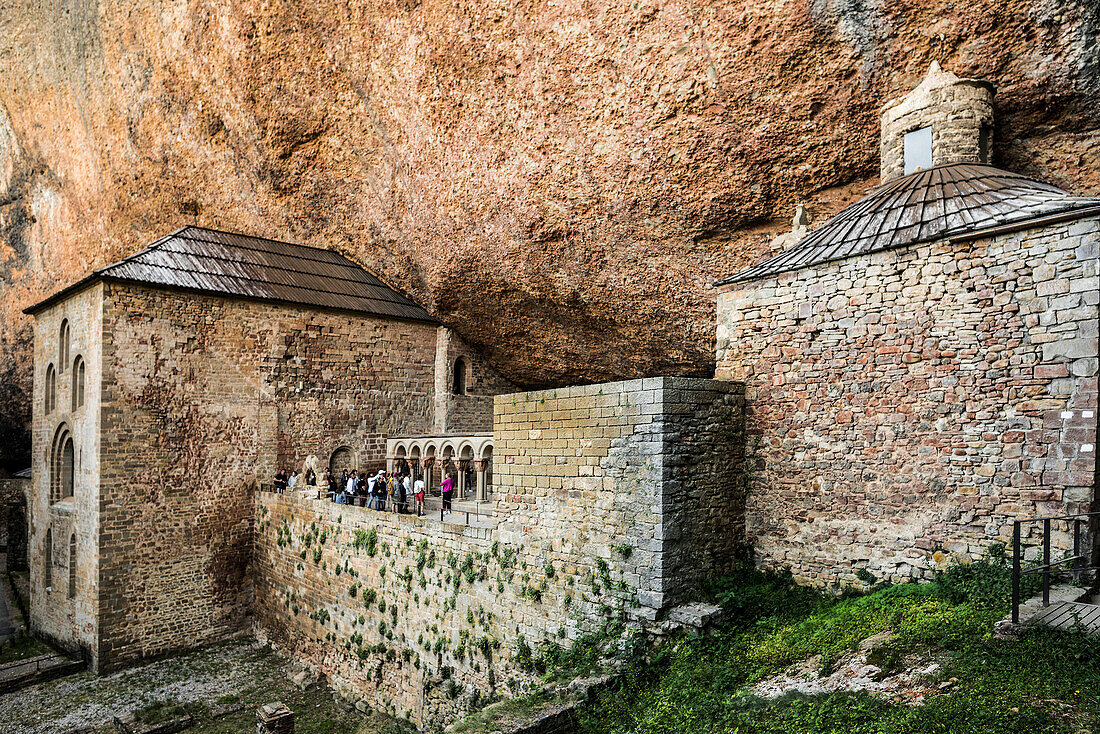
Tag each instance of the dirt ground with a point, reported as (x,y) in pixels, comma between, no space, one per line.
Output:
(205,682)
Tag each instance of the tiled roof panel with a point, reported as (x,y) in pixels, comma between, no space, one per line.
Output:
(938,203)
(253,267)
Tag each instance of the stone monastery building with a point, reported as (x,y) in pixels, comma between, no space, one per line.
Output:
(892,390)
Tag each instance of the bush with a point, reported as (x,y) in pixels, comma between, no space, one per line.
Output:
(986,583)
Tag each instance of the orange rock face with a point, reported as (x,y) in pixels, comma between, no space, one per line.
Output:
(560,182)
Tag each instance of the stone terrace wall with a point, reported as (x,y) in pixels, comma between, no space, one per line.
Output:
(918,400)
(406,615)
(642,474)
(597,519)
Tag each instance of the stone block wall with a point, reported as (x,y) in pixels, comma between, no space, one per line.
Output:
(908,405)
(471,412)
(69,620)
(642,474)
(593,522)
(14,522)
(959,111)
(203,397)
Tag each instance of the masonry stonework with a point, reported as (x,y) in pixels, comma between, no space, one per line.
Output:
(959,111)
(592,523)
(917,400)
(57,528)
(190,401)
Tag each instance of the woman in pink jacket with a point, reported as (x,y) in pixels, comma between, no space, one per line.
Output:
(448,485)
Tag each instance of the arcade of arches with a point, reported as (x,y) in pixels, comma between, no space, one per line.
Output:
(431,458)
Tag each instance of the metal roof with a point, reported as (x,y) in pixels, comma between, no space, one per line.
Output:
(209,261)
(942,202)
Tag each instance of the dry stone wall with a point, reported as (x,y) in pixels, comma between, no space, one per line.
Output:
(592,526)
(906,406)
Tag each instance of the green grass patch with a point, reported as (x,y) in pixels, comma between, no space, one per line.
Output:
(21,648)
(1046,681)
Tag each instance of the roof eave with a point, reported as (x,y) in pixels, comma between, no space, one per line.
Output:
(726,284)
(64,293)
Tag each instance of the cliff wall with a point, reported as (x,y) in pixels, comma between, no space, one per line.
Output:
(558,182)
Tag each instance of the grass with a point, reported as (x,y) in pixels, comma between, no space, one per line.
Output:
(22,647)
(1046,681)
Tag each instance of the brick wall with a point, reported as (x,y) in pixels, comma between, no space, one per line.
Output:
(592,519)
(917,400)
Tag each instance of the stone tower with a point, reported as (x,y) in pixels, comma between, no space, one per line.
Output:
(944,120)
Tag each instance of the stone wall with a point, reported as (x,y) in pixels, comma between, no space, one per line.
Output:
(592,523)
(205,396)
(644,474)
(471,411)
(70,620)
(916,401)
(959,111)
(14,521)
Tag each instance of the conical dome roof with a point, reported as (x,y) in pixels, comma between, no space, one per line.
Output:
(933,204)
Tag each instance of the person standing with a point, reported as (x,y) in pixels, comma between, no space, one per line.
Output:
(406,492)
(418,495)
(448,486)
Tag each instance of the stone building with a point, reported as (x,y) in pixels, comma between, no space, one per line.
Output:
(167,384)
(922,368)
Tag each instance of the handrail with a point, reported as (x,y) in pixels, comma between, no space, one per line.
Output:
(1047,566)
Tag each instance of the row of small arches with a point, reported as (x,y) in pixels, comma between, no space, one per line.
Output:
(47,557)
(77,391)
(447,451)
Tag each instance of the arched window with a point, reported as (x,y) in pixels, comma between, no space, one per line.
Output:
(72,566)
(47,560)
(63,346)
(61,464)
(78,383)
(341,459)
(51,390)
(460,377)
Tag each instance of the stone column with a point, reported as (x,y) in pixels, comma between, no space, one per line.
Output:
(482,486)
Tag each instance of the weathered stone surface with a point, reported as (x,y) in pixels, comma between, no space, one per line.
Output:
(924,435)
(559,182)
(189,401)
(428,612)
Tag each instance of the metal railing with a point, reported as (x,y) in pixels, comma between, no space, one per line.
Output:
(1049,568)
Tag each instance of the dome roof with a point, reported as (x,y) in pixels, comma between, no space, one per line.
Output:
(938,203)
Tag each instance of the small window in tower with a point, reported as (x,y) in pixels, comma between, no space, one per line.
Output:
(985,143)
(460,377)
(918,150)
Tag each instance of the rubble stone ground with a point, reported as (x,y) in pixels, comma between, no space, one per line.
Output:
(243,671)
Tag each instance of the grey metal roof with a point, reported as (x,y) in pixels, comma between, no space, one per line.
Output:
(209,261)
(942,202)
